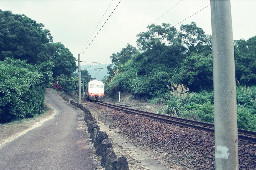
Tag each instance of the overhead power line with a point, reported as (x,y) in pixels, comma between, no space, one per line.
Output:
(176,4)
(197,12)
(100,28)
(97,26)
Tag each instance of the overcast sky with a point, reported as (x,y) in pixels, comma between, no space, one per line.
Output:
(74,22)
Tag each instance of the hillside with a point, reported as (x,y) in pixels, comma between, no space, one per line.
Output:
(96,71)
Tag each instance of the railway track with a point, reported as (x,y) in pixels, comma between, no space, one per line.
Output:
(242,134)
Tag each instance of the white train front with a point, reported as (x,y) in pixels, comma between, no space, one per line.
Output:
(95,90)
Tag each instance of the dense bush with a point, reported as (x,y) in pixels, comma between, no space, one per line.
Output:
(246,110)
(195,72)
(200,106)
(22,85)
(67,84)
(21,90)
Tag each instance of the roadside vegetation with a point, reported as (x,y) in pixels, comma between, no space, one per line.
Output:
(29,62)
(174,67)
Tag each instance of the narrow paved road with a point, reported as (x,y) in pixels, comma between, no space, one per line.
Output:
(60,143)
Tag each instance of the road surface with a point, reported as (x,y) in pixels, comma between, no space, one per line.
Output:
(60,143)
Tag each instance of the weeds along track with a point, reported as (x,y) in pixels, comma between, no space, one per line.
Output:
(176,141)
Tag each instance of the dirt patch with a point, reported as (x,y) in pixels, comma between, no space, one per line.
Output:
(13,130)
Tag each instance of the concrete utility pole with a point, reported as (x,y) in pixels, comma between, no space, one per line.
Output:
(79,79)
(119,96)
(225,109)
(83,89)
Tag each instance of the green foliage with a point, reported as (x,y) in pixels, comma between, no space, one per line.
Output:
(246,101)
(120,83)
(120,59)
(196,73)
(64,62)
(246,118)
(150,86)
(23,38)
(245,58)
(166,56)
(46,70)
(195,39)
(199,106)
(22,93)
(124,55)
(68,84)
(22,85)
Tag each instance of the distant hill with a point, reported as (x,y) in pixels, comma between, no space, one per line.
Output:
(96,71)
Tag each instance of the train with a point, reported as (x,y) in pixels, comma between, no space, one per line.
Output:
(95,90)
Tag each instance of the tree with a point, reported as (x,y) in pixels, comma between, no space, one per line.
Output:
(124,55)
(85,76)
(195,39)
(64,62)
(245,59)
(165,55)
(161,48)
(119,59)
(23,38)
(195,73)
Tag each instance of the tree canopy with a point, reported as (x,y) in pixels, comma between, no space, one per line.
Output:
(178,56)
(164,56)
(245,58)
(175,66)
(25,39)
(29,61)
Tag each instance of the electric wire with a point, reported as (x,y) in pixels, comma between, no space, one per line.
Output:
(91,41)
(176,4)
(97,26)
(197,12)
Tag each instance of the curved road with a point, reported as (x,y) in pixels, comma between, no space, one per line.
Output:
(60,143)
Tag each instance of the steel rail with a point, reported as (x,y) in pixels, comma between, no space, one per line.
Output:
(242,134)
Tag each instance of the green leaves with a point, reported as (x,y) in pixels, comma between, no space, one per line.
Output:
(63,59)
(22,38)
(164,56)
(21,92)
(245,59)
(22,85)
(195,72)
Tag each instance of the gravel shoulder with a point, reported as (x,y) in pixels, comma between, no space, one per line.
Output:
(138,158)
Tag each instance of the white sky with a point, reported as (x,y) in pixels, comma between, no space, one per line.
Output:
(73,22)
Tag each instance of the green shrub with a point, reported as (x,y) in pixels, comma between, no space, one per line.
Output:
(200,106)
(21,90)
(246,110)
(67,84)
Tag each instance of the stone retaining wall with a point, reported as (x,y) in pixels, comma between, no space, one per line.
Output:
(101,142)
